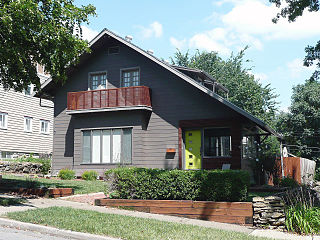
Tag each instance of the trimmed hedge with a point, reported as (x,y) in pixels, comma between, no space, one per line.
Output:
(204,185)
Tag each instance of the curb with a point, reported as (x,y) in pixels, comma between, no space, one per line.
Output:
(52,231)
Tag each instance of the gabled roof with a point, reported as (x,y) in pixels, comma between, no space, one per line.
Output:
(183,76)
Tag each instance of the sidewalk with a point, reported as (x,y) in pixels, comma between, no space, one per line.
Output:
(44,203)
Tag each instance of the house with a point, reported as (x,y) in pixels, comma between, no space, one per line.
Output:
(123,106)
(25,122)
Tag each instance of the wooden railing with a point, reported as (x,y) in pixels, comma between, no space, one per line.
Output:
(108,98)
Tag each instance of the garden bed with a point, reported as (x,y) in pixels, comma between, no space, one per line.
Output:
(45,192)
(226,212)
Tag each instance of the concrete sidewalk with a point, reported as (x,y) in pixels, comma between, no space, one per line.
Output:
(44,203)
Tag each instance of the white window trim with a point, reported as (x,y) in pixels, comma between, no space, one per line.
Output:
(5,115)
(48,129)
(130,69)
(98,72)
(31,91)
(25,124)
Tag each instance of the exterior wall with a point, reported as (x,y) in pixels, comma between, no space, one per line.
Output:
(14,138)
(172,100)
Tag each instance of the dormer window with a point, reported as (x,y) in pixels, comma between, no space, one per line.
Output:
(130,77)
(98,80)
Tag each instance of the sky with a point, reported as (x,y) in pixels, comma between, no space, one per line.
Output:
(276,51)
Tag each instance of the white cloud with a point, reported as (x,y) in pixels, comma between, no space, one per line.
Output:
(180,44)
(88,33)
(296,68)
(153,30)
(262,77)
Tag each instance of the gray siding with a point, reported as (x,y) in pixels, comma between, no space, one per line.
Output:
(172,100)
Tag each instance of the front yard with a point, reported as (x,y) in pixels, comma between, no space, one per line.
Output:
(124,227)
(79,186)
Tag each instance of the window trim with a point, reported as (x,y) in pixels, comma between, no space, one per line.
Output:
(31,90)
(96,73)
(130,69)
(25,125)
(48,129)
(101,144)
(5,126)
(203,145)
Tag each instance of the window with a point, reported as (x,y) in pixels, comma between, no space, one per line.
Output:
(98,80)
(29,90)
(107,146)
(130,78)
(44,126)
(3,120)
(113,50)
(27,124)
(217,142)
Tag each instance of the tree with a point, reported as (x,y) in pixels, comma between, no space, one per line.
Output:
(292,10)
(301,125)
(244,90)
(47,32)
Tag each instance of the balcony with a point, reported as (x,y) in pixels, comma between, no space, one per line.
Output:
(116,99)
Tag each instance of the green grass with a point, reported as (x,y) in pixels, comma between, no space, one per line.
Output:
(11,201)
(80,187)
(124,227)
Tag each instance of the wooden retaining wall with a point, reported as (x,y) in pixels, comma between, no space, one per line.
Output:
(226,212)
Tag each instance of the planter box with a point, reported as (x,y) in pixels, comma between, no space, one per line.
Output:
(225,212)
(60,192)
(45,192)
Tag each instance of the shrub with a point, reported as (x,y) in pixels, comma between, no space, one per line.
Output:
(46,163)
(206,185)
(317,175)
(288,182)
(89,175)
(66,174)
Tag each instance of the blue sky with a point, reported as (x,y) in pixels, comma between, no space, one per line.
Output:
(276,51)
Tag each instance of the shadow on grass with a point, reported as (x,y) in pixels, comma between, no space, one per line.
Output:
(9,201)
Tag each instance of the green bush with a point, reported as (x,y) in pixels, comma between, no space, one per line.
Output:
(66,174)
(304,219)
(89,175)
(206,185)
(288,182)
(317,175)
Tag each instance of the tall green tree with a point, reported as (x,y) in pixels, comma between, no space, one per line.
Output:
(301,125)
(244,90)
(47,32)
(292,9)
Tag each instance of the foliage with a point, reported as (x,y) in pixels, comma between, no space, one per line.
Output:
(66,174)
(288,182)
(317,175)
(89,175)
(47,32)
(303,219)
(292,10)
(301,125)
(121,226)
(144,183)
(244,91)
(46,162)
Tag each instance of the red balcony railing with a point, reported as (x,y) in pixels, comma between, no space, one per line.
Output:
(107,98)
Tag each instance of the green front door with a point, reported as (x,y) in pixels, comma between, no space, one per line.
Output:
(193,149)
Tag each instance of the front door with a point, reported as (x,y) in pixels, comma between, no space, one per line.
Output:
(193,149)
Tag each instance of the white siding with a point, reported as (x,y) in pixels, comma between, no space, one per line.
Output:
(14,138)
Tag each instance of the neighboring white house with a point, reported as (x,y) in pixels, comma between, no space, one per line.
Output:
(26,123)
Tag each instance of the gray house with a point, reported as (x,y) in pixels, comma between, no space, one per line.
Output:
(123,106)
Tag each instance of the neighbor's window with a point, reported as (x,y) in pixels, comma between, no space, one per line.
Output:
(98,81)
(44,126)
(27,124)
(3,120)
(217,142)
(29,90)
(107,146)
(130,78)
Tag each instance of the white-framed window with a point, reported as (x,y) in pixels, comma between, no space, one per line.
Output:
(44,126)
(217,142)
(28,124)
(107,146)
(29,90)
(98,80)
(130,77)
(3,120)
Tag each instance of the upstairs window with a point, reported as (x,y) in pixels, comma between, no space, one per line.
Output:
(44,126)
(98,80)
(217,142)
(130,77)
(27,124)
(3,120)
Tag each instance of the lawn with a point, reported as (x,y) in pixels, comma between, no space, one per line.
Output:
(8,201)
(124,227)
(80,187)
